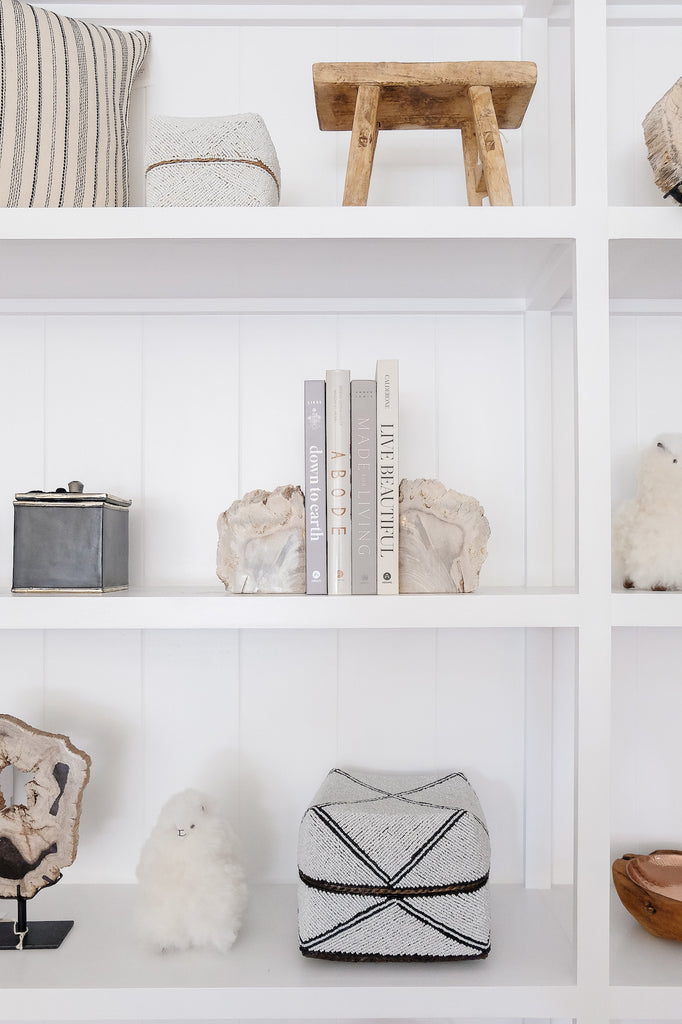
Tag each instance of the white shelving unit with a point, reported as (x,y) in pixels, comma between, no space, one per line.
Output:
(159,355)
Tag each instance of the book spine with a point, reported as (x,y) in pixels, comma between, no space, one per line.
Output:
(388,476)
(315,487)
(363,477)
(338,482)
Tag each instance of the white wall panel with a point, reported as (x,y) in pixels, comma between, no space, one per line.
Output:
(480,731)
(277,355)
(288,740)
(307,156)
(480,429)
(646,364)
(191,417)
(22,466)
(563,433)
(190,716)
(387,699)
(93,695)
(564,686)
(646,806)
(172,85)
(22,690)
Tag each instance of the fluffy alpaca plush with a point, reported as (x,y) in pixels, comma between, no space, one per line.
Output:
(647,531)
(192,890)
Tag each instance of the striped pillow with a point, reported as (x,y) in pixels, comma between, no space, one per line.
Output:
(64,96)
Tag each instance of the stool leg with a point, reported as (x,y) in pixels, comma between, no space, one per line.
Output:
(490,146)
(471,165)
(362,145)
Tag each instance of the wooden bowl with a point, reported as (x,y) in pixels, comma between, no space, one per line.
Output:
(650,887)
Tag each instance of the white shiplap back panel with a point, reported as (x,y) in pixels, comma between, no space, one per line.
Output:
(277,355)
(307,157)
(410,340)
(387,713)
(564,649)
(191,388)
(559,128)
(93,409)
(563,433)
(93,695)
(190,717)
(643,64)
(21,675)
(646,799)
(481,429)
(480,730)
(288,740)
(193,71)
(646,368)
(21,412)
(624,408)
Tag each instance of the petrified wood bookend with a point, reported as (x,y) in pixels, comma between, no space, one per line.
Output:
(261,543)
(443,539)
(40,837)
(477,97)
(663,136)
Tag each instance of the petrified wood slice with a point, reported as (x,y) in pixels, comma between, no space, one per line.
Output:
(39,838)
(443,539)
(642,882)
(663,136)
(261,543)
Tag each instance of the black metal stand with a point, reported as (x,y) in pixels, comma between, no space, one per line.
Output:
(37,935)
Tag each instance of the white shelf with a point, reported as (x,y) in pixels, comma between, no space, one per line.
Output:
(529,973)
(289,222)
(645,970)
(646,609)
(513,256)
(213,608)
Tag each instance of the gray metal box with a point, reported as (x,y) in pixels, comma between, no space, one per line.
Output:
(70,541)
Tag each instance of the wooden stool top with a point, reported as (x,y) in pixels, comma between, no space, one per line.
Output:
(433,95)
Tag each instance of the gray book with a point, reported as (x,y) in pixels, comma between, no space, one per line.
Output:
(363,478)
(315,488)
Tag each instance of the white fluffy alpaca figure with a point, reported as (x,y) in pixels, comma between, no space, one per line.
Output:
(192,889)
(647,530)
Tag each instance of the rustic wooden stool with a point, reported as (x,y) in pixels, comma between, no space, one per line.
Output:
(478,97)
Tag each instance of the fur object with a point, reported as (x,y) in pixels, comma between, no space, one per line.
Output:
(192,888)
(647,530)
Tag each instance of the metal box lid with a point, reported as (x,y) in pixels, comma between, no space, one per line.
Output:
(75,495)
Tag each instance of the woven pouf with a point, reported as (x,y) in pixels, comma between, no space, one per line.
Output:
(211,161)
(394,867)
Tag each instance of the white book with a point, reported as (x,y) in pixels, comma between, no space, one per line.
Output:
(338,482)
(388,476)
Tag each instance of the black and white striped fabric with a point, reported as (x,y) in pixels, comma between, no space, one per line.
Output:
(64,97)
(394,867)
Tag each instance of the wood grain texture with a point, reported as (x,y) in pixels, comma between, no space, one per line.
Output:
(423,95)
(490,147)
(658,914)
(362,146)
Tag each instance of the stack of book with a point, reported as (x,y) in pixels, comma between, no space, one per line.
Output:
(352,482)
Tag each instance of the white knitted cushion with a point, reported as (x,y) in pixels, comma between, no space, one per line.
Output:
(64,96)
(211,161)
(394,867)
